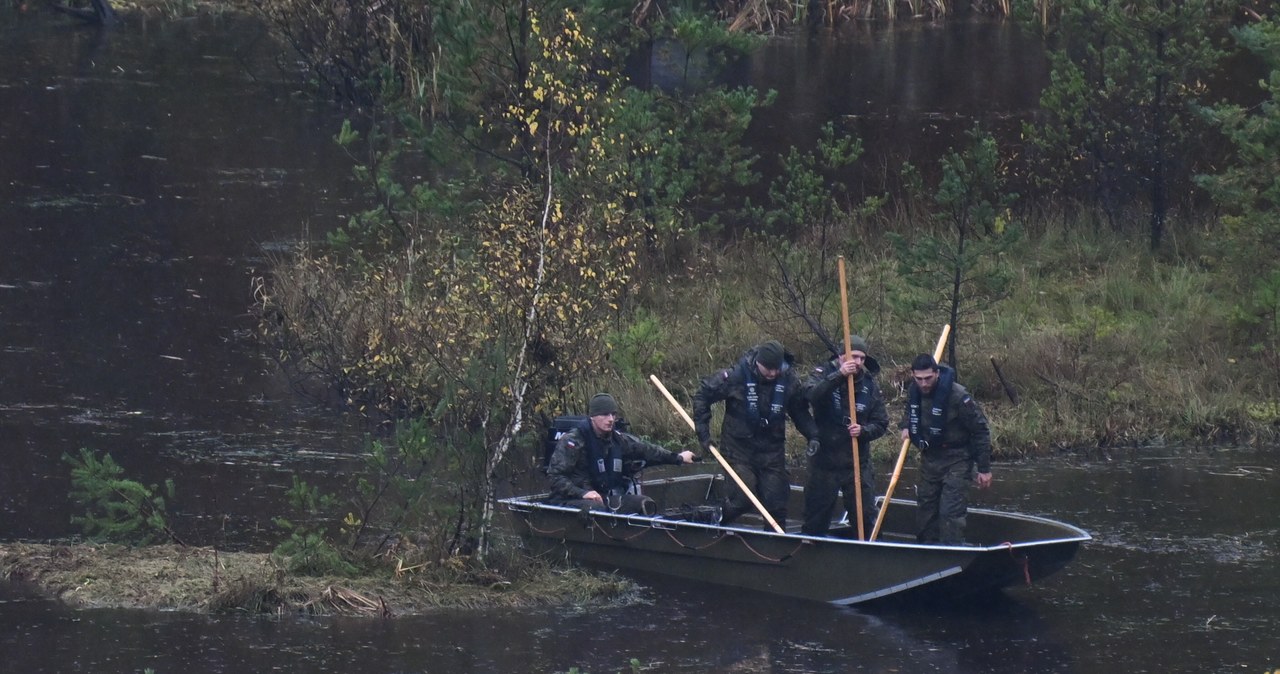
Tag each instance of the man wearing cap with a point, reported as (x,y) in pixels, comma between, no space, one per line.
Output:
(831,462)
(588,466)
(945,422)
(758,392)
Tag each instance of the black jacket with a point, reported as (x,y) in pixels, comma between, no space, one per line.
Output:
(745,433)
(827,391)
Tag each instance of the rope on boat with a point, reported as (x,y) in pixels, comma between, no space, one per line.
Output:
(1025,561)
(624,539)
(767,558)
(686,546)
(545,532)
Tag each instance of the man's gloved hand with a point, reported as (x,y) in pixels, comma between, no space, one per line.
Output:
(706,446)
(812,449)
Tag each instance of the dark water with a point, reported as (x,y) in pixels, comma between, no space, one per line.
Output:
(145,178)
(908,94)
(1182,577)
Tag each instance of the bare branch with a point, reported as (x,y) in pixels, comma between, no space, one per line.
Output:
(795,300)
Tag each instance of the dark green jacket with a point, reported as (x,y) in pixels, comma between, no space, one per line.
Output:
(570,467)
(966,428)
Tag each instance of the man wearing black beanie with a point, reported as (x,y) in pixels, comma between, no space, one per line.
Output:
(588,465)
(758,392)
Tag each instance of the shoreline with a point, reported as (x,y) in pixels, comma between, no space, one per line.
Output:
(207,580)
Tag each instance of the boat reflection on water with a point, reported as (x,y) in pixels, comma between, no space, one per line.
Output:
(692,626)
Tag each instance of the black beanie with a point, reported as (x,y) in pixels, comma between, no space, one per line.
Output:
(770,354)
(602,403)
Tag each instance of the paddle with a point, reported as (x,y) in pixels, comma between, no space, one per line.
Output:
(902,453)
(716,453)
(853,405)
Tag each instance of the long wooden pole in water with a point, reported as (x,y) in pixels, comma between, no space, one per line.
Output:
(902,453)
(716,453)
(853,405)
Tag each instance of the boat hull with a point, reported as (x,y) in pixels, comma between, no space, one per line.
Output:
(1008,549)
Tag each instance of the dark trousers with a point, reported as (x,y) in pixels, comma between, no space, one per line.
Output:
(765,474)
(942,497)
(822,490)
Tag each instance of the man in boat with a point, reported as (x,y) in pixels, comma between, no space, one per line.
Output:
(588,467)
(758,392)
(831,461)
(948,427)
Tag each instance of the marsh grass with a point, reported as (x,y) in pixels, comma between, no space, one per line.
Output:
(180,9)
(1106,345)
(210,581)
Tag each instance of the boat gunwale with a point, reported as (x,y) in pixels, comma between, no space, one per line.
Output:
(526,504)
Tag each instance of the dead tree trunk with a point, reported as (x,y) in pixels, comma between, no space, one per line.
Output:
(1009,390)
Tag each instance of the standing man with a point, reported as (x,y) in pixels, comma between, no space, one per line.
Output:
(948,427)
(759,392)
(588,465)
(831,465)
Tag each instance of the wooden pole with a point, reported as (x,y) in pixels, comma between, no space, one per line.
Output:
(853,404)
(716,453)
(902,453)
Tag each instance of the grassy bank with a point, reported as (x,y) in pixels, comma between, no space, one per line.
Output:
(206,580)
(1104,345)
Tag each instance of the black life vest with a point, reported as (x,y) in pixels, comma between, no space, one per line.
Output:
(565,423)
(777,405)
(860,399)
(606,469)
(936,414)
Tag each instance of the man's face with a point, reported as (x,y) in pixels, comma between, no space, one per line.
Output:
(859,360)
(603,423)
(925,379)
(768,373)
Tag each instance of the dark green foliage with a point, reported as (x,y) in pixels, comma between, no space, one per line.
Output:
(417,489)
(812,220)
(1116,121)
(807,193)
(117,509)
(412,496)
(307,550)
(685,157)
(1249,193)
(636,349)
(396,208)
(957,271)
(702,40)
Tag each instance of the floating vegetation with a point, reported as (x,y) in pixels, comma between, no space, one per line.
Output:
(88,200)
(1245,548)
